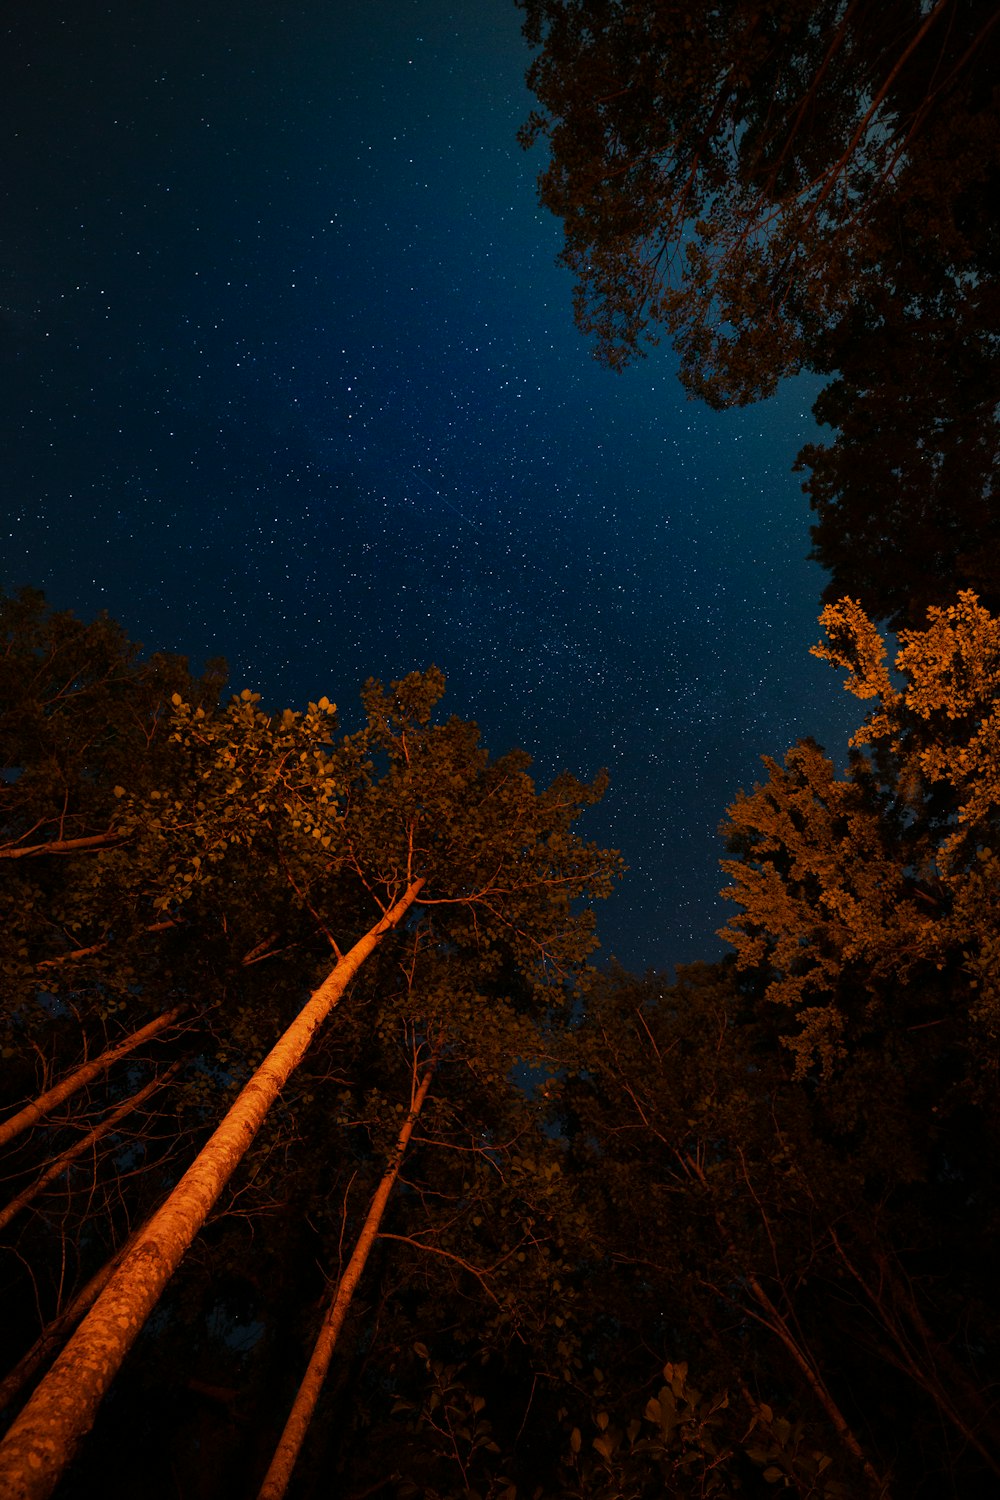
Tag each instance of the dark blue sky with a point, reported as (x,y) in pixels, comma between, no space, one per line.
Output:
(289,375)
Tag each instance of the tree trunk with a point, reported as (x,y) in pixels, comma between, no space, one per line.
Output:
(291,1440)
(45,1103)
(44,1438)
(63,1160)
(968,1412)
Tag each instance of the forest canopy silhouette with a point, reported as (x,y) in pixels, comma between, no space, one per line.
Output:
(306,1054)
(335,1159)
(801,187)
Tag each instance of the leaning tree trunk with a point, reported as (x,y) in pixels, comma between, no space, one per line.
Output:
(44,1438)
(47,1102)
(56,1167)
(290,1443)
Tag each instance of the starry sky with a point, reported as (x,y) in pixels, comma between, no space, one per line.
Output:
(289,375)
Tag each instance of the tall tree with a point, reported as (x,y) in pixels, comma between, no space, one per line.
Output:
(676,1124)
(905,492)
(93,1003)
(80,708)
(868,921)
(493,862)
(280,1470)
(869,898)
(44,1437)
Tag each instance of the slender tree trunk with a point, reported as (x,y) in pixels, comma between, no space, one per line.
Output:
(291,1440)
(63,1160)
(44,1438)
(778,1325)
(86,1073)
(75,954)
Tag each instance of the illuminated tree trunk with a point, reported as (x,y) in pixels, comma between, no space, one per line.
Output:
(67,1157)
(62,846)
(291,1440)
(44,1438)
(86,1073)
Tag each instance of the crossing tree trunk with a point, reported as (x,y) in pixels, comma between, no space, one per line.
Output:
(86,1143)
(61,1326)
(45,1103)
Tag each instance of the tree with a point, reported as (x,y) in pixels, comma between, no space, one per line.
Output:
(870,899)
(79,1032)
(790,187)
(36,1109)
(868,930)
(80,709)
(735,174)
(266,807)
(905,493)
(467,1269)
(680,1122)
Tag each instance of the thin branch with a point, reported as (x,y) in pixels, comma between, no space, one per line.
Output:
(480,1275)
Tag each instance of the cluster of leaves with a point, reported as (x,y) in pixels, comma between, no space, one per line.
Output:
(733,174)
(867,928)
(870,900)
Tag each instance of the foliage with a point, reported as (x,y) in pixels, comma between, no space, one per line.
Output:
(872,898)
(905,490)
(80,708)
(256,844)
(734,174)
(867,933)
(791,186)
(718,1235)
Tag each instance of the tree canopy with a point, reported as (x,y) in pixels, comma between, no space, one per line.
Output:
(253,837)
(784,187)
(475,1217)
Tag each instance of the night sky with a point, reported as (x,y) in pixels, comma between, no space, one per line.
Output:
(290,376)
